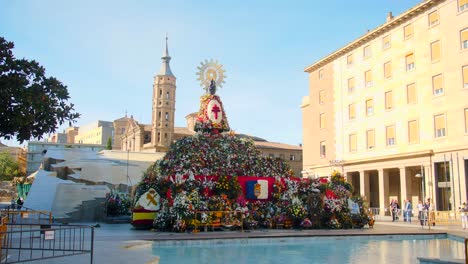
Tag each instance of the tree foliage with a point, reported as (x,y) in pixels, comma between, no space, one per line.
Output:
(9,168)
(31,104)
(109,144)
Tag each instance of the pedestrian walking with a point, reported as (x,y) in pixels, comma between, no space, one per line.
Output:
(408,211)
(421,213)
(394,207)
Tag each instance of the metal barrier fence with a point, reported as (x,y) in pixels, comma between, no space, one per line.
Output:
(25,242)
(430,218)
(25,215)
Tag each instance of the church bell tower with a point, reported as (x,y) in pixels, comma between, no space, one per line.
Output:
(164,92)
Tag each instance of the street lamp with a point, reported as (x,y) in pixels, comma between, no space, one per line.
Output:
(421,175)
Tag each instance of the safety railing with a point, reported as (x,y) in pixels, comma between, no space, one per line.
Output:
(466,251)
(24,242)
(25,215)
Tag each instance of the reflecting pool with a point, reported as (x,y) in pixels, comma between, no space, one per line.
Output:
(331,249)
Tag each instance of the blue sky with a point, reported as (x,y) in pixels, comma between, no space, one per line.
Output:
(107,52)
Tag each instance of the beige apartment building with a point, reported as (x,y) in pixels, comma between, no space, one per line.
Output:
(390,109)
(97,132)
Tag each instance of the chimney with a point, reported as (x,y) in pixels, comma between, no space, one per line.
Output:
(389,17)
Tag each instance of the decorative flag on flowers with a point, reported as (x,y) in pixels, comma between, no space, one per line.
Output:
(257,189)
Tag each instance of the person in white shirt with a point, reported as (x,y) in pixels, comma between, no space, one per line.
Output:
(464,215)
(421,213)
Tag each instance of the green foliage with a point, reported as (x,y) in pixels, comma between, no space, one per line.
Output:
(117,204)
(217,155)
(9,168)
(109,144)
(31,104)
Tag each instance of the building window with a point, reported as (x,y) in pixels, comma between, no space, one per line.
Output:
(370,138)
(413,132)
(433,18)
(351,111)
(464,38)
(292,157)
(351,85)
(408,31)
(390,133)
(367,52)
(322,120)
(320,74)
(439,126)
(322,96)
(466,120)
(281,156)
(167,95)
(159,115)
(369,107)
(465,76)
(438,84)
(167,116)
(411,93)
(160,92)
(388,100)
(462,5)
(323,149)
(386,42)
(368,78)
(122,130)
(352,143)
(349,59)
(409,62)
(435,51)
(388,69)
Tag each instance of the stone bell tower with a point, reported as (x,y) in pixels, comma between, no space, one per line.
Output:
(164,91)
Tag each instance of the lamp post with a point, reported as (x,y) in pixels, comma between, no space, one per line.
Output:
(421,175)
(128,178)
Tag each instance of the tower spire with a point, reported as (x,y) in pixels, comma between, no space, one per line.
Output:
(165,68)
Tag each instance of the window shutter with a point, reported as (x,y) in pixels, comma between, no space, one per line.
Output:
(411,93)
(435,51)
(439,122)
(433,18)
(388,70)
(388,100)
(413,131)
(370,139)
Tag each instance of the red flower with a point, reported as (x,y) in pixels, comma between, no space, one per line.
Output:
(323,180)
(330,194)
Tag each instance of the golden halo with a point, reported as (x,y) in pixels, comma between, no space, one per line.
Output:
(210,70)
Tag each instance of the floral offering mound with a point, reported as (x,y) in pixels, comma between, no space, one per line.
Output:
(217,155)
(187,203)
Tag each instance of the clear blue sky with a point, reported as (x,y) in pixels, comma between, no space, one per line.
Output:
(107,52)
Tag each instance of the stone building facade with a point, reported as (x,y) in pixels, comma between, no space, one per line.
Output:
(389,109)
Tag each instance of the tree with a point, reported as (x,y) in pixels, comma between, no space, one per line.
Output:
(31,104)
(109,144)
(9,168)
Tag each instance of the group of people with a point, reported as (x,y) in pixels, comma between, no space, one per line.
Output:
(423,210)
(407,210)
